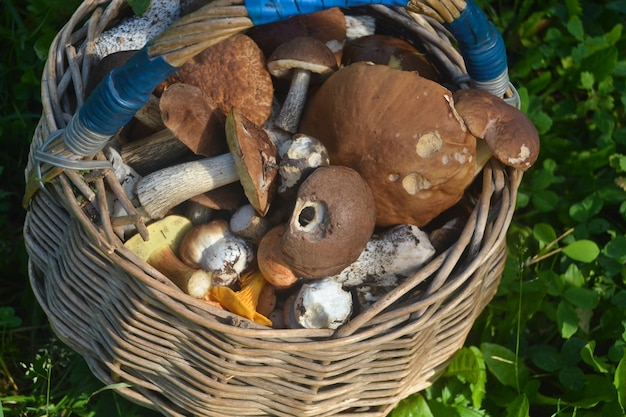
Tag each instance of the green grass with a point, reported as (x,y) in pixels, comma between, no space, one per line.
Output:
(551,343)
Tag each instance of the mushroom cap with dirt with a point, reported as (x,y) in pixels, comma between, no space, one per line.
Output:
(401,132)
(332,221)
(509,133)
(233,73)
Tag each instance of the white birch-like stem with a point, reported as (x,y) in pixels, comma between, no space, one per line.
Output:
(162,190)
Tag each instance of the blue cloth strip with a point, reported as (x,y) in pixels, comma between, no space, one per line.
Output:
(480,43)
(116,100)
(267,11)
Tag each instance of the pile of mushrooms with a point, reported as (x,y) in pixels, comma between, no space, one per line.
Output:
(294,174)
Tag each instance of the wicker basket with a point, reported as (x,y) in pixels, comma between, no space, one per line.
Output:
(184,357)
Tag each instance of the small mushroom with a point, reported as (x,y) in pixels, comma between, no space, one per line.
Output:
(322,304)
(212,247)
(331,223)
(160,251)
(400,131)
(248,224)
(272,262)
(243,302)
(304,59)
(329,26)
(299,157)
(509,133)
(388,50)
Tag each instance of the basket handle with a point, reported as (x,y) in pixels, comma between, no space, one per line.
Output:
(120,95)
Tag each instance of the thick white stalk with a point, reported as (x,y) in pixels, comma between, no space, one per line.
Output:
(395,254)
(162,190)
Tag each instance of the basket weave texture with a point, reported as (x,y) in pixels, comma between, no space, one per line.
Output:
(184,357)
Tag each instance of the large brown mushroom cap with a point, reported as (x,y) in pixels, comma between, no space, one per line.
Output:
(233,74)
(511,136)
(332,221)
(401,133)
(194,119)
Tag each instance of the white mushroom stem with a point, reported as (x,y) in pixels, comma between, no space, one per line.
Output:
(322,304)
(291,111)
(277,135)
(395,254)
(247,223)
(162,190)
(194,282)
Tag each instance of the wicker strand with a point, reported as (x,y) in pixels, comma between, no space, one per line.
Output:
(199,30)
(441,10)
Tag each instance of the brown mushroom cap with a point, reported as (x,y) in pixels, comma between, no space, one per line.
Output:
(304,52)
(329,26)
(511,136)
(331,223)
(388,50)
(233,74)
(194,119)
(255,158)
(401,133)
(271,259)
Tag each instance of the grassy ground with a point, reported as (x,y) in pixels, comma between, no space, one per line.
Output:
(551,343)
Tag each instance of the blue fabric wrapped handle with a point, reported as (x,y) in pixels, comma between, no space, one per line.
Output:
(480,43)
(267,11)
(115,101)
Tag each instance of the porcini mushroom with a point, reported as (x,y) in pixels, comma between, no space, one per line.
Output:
(332,221)
(509,133)
(304,59)
(212,247)
(400,131)
(329,26)
(160,251)
(252,161)
(322,304)
(233,73)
